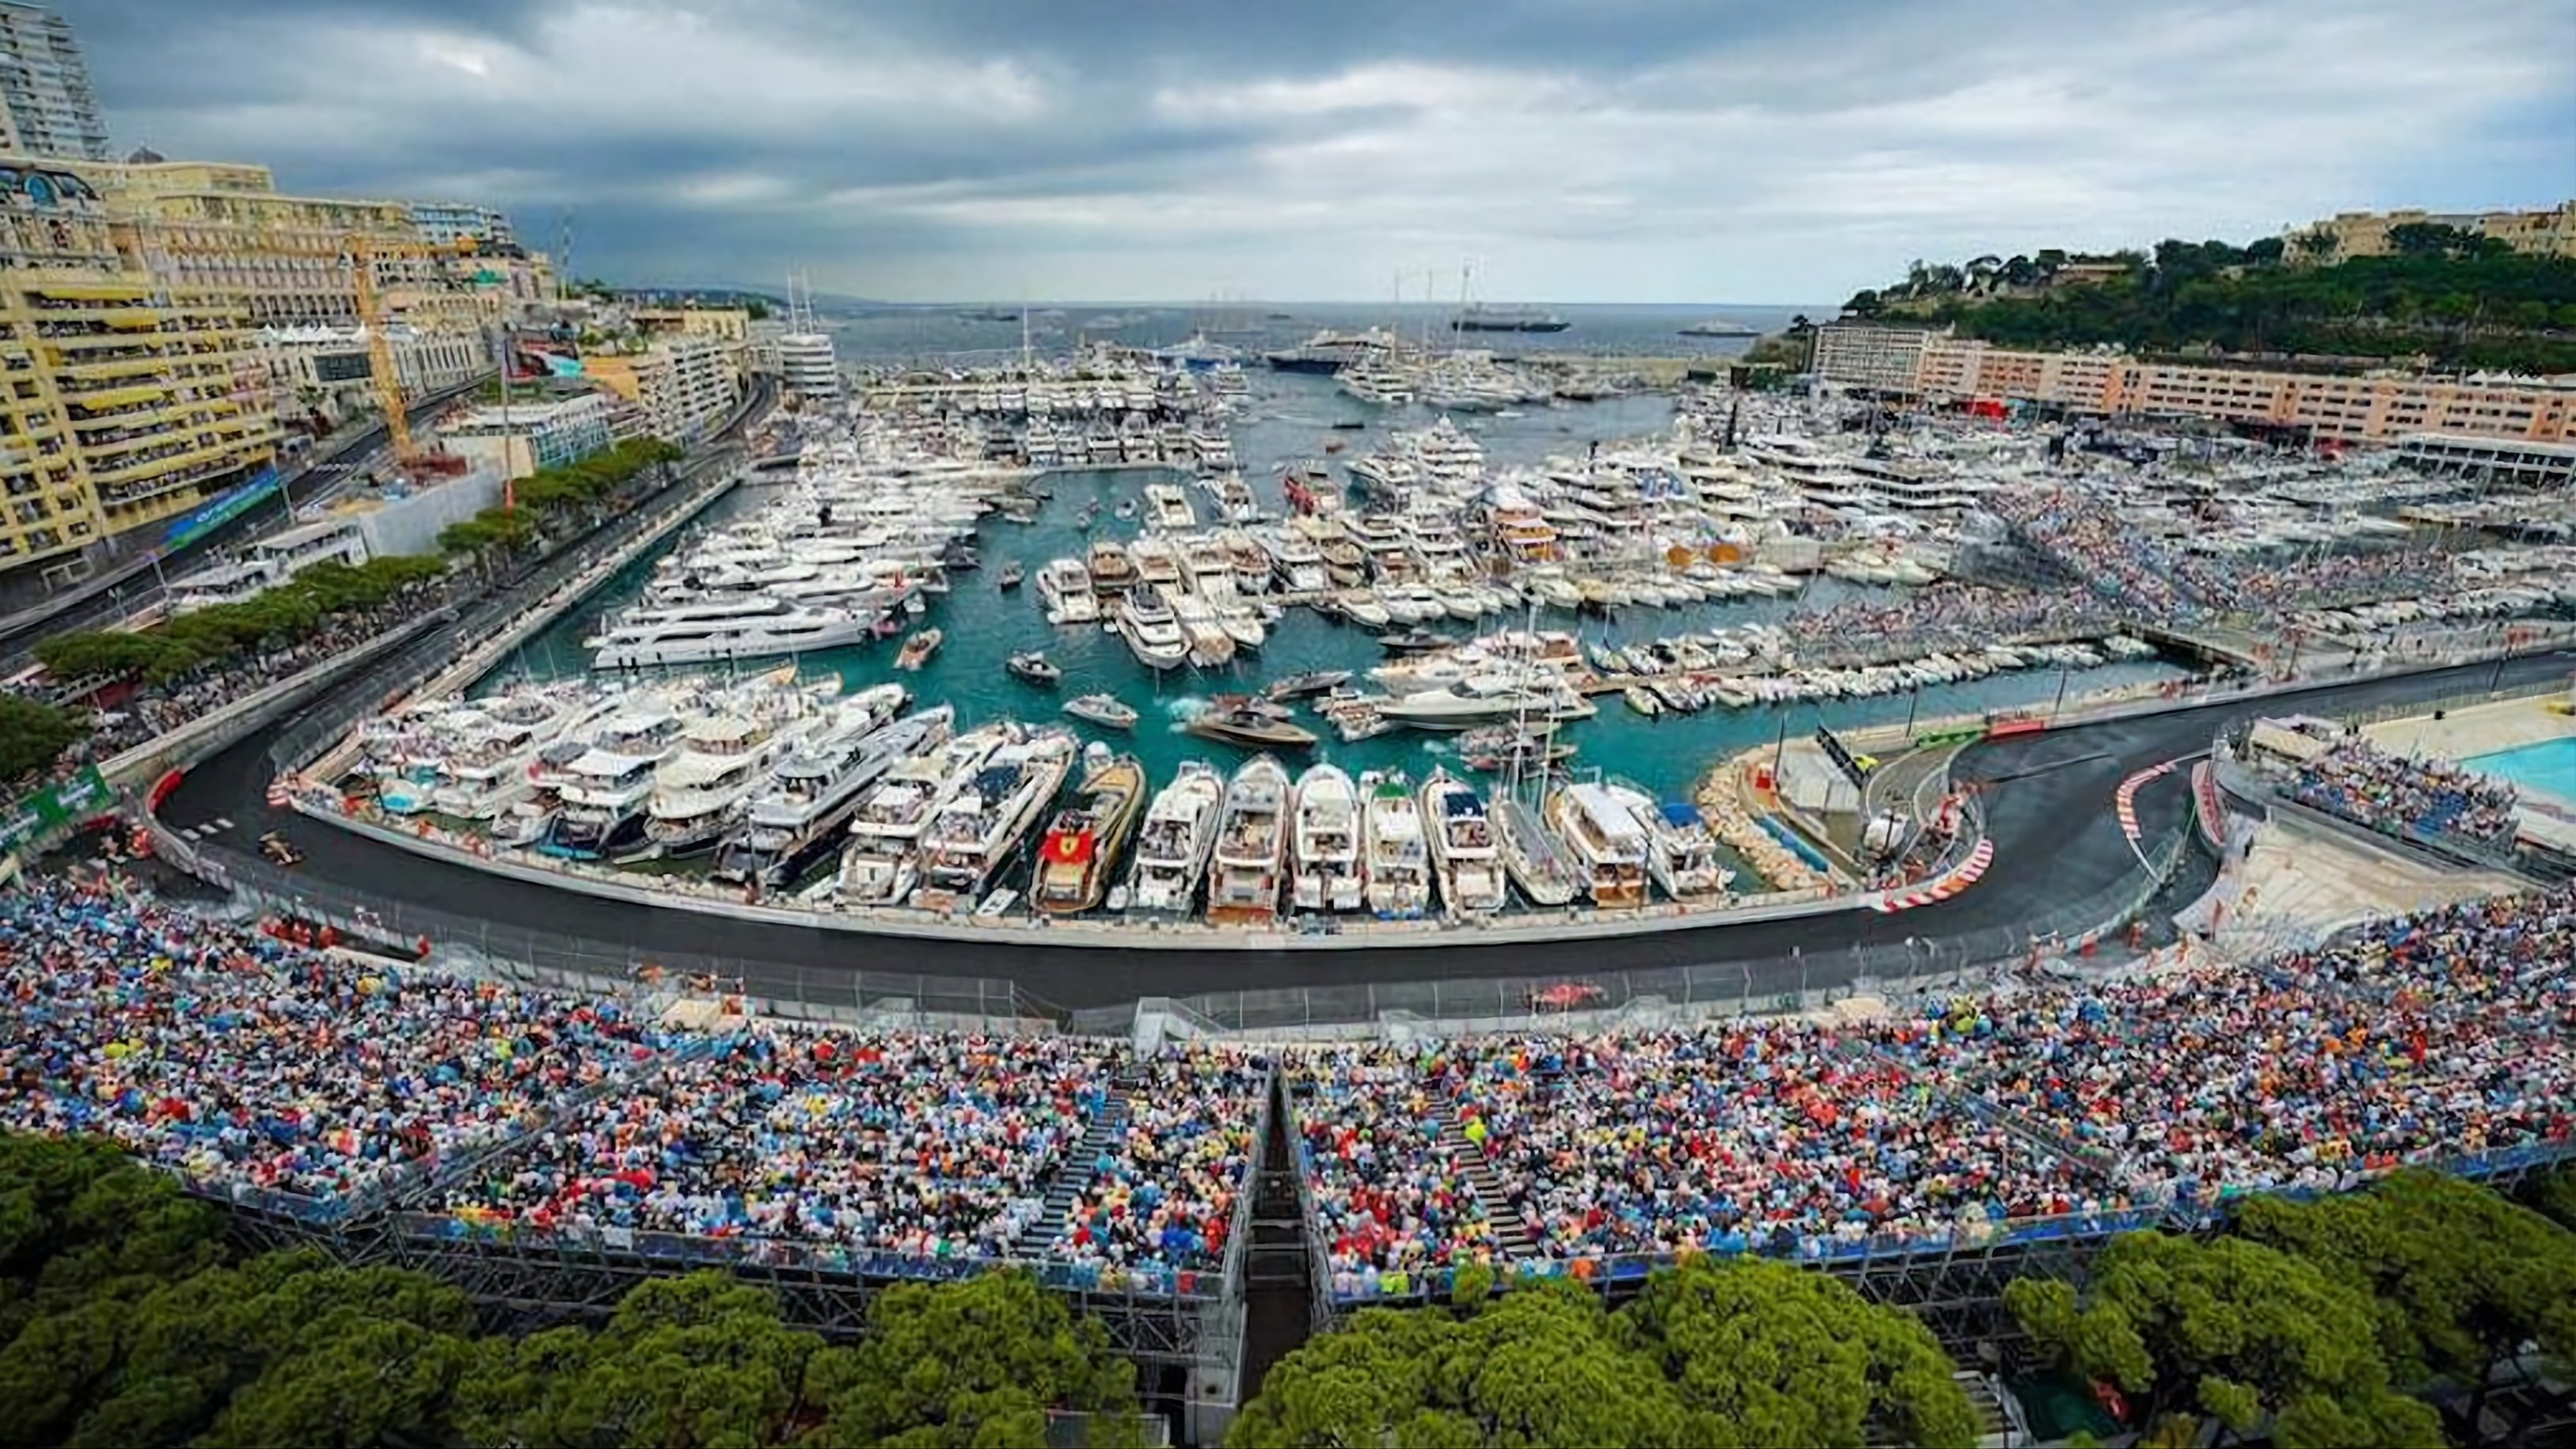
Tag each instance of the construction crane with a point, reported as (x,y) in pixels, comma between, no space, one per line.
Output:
(365,250)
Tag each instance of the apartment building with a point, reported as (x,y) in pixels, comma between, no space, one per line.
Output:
(2374,408)
(686,384)
(2549,232)
(461,221)
(326,370)
(123,400)
(520,439)
(47,107)
(1870,357)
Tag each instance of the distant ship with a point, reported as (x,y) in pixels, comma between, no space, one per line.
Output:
(1476,317)
(988,314)
(1720,327)
(1328,351)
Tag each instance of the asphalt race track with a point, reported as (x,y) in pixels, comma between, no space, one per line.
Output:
(2049,812)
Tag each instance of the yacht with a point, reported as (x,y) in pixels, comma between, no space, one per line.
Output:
(1601,830)
(1251,846)
(1173,845)
(1152,634)
(488,770)
(1484,699)
(1083,841)
(606,790)
(1065,588)
(721,761)
(738,627)
(1536,860)
(980,825)
(1300,565)
(1325,870)
(1681,851)
(1157,562)
(1463,851)
(1111,570)
(802,815)
(1399,861)
(1167,507)
(1210,646)
(882,863)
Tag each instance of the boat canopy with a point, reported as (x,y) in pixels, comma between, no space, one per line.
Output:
(1677,813)
(1461,802)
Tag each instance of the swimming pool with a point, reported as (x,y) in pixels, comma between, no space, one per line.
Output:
(2548,767)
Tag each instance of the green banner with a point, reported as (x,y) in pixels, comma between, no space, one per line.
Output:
(1949,737)
(60,804)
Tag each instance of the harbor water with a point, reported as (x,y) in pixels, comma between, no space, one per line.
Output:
(1291,417)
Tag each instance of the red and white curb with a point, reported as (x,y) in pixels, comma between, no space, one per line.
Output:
(1970,871)
(2126,799)
(279,797)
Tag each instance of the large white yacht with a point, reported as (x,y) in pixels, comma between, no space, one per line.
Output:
(883,861)
(789,826)
(981,823)
(1487,699)
(1463,851)
(1065,587)
(744,626)
(1173,844)
(1601,830)
(606,789)
(1152,634)
(722,760)
(1399,861)
(1324,851)
(1251,846)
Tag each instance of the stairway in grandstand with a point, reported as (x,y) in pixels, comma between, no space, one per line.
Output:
(1108,1125)
(1511,1236)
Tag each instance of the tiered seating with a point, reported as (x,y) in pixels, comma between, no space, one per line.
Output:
(1161,1202)
(2402,795)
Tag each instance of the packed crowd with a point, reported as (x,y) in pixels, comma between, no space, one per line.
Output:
(1390,1194)
(1161,1196)
(924,1146)
(2403,794)
(1939,618)
(2089,539)
(216,1051)
(2327,581)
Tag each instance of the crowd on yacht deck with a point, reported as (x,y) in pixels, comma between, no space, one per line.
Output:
(2407,794)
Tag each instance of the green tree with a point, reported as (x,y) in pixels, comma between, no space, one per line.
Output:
(32,734)
(1780,1355)
(970,1364)
(756,308)
(2232,1330)
(2456,1277)
(1863,303)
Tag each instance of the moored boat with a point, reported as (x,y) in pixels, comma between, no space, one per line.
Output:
(1082,843)
(1399,859)
(1536,859)
(1601,831)
(1464,854)
(1175,841)
(1324,850)
(1251,846)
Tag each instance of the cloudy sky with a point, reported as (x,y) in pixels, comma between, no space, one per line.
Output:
(1580,150)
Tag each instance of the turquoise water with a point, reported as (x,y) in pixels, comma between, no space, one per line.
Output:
(2548,767)
(1293,417)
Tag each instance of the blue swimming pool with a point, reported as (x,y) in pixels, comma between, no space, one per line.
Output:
(2549,766)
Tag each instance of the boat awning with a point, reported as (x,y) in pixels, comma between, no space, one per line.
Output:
(1677,813)
(1458,802)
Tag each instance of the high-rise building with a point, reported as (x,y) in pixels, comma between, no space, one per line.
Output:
(685,384)
(46,105)
(458,221)
(1869,356)
(123,399)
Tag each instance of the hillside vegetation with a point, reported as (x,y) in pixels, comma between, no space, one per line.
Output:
(2446,300)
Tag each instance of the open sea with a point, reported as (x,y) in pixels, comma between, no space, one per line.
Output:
(1290,417)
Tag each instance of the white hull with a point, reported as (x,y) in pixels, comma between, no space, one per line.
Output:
(751,643)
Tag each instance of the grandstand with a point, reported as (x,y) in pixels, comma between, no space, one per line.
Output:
(548,1148)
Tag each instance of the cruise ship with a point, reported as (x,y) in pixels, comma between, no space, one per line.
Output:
(1328,352)
(978,828)
(1251,846)
(731,627)
(1399,861)
(1601,830)
(1324,851)
(801,816)
(1173,845)
(1463,853)
(1477,317)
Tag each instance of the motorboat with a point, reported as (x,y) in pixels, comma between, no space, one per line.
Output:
(1033,666)
(1111,569)
(1152,634)
(1599,826)
(1106,710)
(1252,729)
(802,815)
(882,862)
(1083,841)
(1535,859)
(981,823)
(917,650)
(1308,683)
(1065,589)
(1464,854)
(1399,859)
(1484,699)
(605,791)
(1010,576)
(1324,849)
(1362,607)
(1251,846)
(1211,647)
(1416,641)
(1175,841)
(1681,850)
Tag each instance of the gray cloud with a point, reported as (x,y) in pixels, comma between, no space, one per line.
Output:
(1610,149)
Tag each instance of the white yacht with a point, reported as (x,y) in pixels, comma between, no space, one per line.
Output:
(1487,699)
(721,762)
(1157,562)
(1210,646)
(1065,587)
(1173,844)
(606,789)
(488,771)
(882,863)
(731,627)
(1463,851)
(1681,851)
(1601,830)
(790,826)
(981,824)
(1152,634)
(1399,860)
(1251,846)
(1324,856)
(1300,564)
(1167,507)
